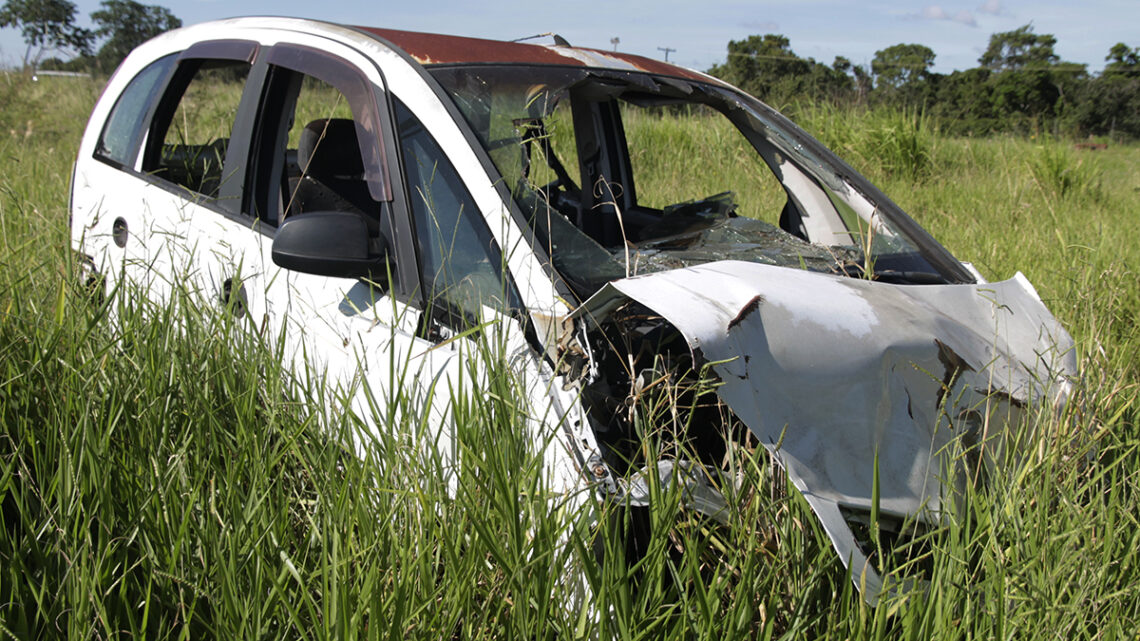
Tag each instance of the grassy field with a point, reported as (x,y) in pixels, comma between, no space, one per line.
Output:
(163,477)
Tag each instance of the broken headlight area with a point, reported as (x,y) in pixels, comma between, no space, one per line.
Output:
(692,480)
(647,382)
(676,447)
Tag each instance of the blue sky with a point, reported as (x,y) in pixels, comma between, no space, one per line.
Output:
(957,30)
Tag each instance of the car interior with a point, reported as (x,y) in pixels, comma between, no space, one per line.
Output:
(326,172)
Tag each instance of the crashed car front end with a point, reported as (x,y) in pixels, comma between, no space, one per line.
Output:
(839,376)
(878,370)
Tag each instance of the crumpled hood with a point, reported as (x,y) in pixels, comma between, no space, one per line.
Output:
(827,371)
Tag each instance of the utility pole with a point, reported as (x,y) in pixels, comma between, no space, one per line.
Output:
(666,50)
(614,41)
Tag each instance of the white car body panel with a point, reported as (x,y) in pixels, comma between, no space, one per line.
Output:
(331,326)
(830,373)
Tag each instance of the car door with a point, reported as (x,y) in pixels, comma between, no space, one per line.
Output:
(322,141)
(474,316)
(396,348)
(158,165)
(401,351)
(162,187)
(194,157)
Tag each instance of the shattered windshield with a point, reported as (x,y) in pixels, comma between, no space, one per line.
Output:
(622,173)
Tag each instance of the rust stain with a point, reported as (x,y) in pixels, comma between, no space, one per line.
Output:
(434,48)
(655,66)
(439,49)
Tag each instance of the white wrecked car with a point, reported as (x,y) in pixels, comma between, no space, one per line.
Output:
(376,197)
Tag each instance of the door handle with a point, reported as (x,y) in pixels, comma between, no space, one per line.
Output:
(119,232)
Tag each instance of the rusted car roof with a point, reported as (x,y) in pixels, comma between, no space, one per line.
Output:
(438,49)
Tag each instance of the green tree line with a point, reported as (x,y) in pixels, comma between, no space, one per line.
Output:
(1019,86)
(48,26)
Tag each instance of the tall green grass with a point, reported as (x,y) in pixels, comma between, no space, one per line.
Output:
(164,476)
(887,142)
(670,153)
(1061,175)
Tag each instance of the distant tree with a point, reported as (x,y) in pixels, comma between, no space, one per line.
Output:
(963,103)
(902,64)
(762,65)
(841,64)
(1122,60)
(1024,97)
(1018,49)
(1109,105)
(766,67)
(46,25)
(81,64)
(844,79)
(822,82)
(863,81)
(126,24)
(1031,88)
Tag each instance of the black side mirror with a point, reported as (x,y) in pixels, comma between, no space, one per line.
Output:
(331,243)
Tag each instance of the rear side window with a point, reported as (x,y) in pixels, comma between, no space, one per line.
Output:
(123,133)
(192,128)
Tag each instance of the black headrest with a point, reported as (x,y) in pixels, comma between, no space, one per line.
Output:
(328,147)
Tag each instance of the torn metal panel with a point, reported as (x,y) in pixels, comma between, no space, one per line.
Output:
(697,489)
(838,371)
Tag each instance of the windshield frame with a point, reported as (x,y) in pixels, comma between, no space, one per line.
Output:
(752,118)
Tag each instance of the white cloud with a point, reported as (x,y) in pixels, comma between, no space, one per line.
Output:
(992,7)
(966,18)
(936,12)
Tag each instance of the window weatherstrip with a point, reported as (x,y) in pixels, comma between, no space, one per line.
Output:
(335,71)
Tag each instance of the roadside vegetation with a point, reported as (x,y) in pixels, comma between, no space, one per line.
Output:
(163,476)
(1020,86)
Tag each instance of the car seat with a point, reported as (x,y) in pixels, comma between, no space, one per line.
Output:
(332,172)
